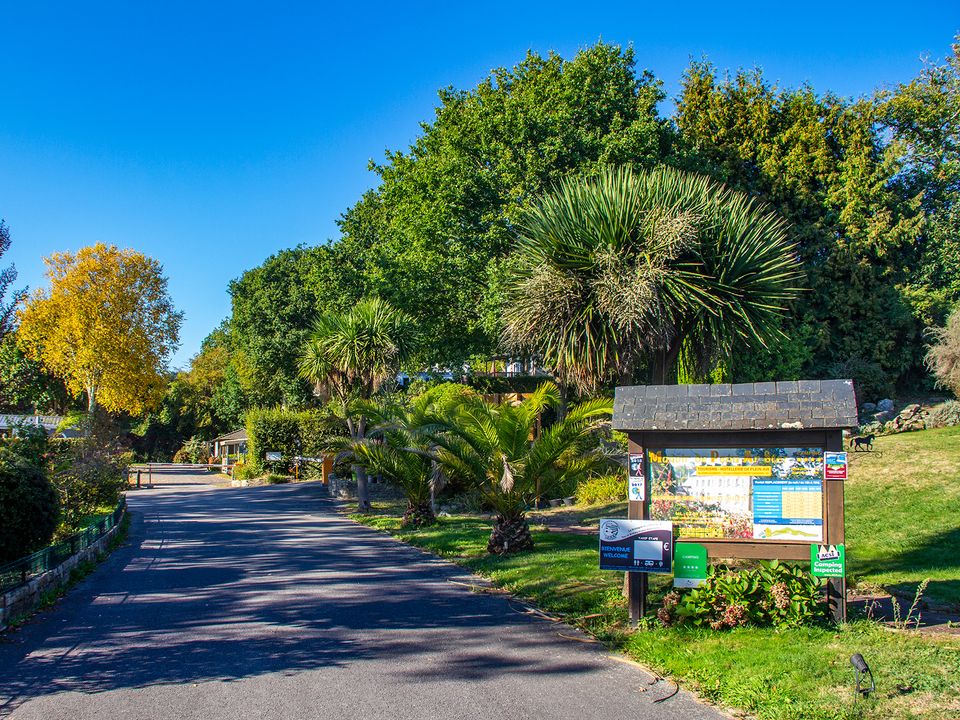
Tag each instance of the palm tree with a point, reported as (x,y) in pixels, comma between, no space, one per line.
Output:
(351,356)
(400,448)
(493,447)
(632,266)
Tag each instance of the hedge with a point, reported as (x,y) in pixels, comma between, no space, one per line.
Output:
(288,432)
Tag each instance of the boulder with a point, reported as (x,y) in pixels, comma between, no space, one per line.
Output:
(884,415)
(909,411)
(868,408)
(885,405)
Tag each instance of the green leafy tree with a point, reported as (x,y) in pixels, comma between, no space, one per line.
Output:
(7,277)
(490,446)
(923,118)
(620,270)
(24,384)
(352,355)
(442,217)
(274,307)
(819,161)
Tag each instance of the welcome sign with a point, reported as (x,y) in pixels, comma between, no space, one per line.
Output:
(636,545)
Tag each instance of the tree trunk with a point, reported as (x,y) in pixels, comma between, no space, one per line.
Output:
(363,489)
(510,535)
(418,515)
(665,363)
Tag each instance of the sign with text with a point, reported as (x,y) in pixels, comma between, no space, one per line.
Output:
(829,561)
(689,565)
(835,466)
(636,545)
(766,493)
(636,482)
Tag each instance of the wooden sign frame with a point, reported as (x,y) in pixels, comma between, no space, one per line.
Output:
(830,439)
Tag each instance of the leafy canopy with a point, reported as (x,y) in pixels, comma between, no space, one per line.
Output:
(106,325)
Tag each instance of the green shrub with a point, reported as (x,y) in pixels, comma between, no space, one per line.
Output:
(771,594)
(246,471)
(289,432)
(193,450)
(273,479)
(86,485)
(602,489)
(28,510)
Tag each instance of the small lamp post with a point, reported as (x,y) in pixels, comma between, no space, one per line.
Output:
(860,670)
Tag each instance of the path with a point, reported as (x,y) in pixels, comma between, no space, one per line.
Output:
(264,603)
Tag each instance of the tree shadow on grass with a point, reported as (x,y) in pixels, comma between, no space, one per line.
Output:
(936,554)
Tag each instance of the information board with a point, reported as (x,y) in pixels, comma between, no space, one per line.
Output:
(742,493)
(636,545)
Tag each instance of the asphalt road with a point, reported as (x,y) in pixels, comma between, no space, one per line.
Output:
(264,603)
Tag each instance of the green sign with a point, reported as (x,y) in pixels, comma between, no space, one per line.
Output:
(829,561)
(689,565)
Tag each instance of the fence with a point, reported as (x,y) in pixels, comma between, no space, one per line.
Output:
(20,571)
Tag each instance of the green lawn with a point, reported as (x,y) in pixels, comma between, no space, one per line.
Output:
(903,514)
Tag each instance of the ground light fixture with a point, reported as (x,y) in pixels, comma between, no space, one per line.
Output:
(861,669)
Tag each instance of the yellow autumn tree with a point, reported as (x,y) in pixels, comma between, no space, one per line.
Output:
(106,325)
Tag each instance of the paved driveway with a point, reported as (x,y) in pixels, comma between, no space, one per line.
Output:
(264,603)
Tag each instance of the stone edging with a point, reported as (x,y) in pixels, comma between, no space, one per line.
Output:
(24,599)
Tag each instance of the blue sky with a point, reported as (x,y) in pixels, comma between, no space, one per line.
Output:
(211,135)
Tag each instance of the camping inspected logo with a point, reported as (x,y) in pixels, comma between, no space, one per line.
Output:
(828,560)
(828,553)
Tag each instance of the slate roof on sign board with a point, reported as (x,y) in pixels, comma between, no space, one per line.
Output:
(793,405)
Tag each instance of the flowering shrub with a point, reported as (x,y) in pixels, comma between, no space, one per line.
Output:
(771,594)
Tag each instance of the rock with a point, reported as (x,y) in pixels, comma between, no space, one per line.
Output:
(868,408)
(883,416)
(870,428)
(885,405)
(909,411)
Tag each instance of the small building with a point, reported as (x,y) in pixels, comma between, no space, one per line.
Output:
(9,423)
(232,445)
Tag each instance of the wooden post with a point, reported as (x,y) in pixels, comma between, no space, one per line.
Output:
(834,529)
(636,510)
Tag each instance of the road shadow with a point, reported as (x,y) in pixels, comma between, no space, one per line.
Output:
(228,584)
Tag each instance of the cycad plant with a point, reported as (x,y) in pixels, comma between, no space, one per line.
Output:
(624,268)
(351,356)
(497,449)
(401,449)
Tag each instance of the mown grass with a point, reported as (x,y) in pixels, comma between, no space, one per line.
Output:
(903,515)
(903,525)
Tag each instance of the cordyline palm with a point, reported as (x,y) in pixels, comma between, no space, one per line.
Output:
(400,448)
(630,265)
(353,354)
(492,447)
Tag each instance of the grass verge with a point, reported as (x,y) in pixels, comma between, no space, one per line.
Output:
(771,674)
